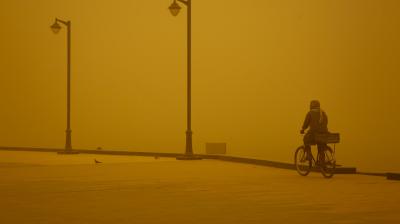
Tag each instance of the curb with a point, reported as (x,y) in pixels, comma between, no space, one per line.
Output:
(259,162)
(393,176)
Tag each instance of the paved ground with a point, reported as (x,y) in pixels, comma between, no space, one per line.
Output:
(49,188)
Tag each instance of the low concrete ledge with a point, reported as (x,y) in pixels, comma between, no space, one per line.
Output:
(281,165)
(30,149)
(346,170)
(393,176)
(259,162)
(129,153)
(96,152)
(372,174)
(68,152)
(389,176)
(189,157)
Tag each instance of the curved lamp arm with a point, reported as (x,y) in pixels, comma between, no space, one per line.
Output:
(184,1)
(65,22)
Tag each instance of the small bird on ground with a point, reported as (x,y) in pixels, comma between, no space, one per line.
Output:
(96,161)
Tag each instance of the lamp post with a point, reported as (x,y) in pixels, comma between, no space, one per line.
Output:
(56,28)
(174,9)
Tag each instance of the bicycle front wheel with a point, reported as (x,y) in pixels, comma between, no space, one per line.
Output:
(328,163)
(302,161)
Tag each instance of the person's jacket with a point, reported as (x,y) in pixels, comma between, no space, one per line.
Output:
(317,121)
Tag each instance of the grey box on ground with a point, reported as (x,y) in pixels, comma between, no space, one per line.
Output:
(216,148)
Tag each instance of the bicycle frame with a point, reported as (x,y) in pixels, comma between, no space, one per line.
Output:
(315,162)
(325,159)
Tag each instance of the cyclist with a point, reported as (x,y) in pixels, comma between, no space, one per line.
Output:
(317,123)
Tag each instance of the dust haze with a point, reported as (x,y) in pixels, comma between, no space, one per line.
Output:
(256,66)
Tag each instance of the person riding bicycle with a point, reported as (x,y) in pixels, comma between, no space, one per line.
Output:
(316,122)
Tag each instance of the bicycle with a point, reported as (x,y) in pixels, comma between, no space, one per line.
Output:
(304,160)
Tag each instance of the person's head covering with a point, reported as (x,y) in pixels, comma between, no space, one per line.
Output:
(315,104)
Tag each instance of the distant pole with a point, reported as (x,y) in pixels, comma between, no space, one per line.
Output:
(189,145)
(175,8)
(56,28)
(68,145)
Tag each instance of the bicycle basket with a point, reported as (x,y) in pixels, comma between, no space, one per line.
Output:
(327,138)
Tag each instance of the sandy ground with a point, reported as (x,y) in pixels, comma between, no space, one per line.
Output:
(51,188)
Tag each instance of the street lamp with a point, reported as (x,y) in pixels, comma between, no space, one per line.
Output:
(56,29)
(174,9)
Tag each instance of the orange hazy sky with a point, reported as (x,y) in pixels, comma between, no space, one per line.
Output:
(256,66)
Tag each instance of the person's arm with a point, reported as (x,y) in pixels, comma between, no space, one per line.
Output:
(326,117)
(306,122)
(326,121)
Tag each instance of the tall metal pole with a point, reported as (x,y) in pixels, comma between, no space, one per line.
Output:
(189,148)
(68,145)
(175,8)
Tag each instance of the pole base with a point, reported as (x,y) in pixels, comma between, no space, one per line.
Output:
(189,157)
(68,152)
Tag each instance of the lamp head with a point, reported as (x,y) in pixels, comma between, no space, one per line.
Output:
(55,27)
(174,8)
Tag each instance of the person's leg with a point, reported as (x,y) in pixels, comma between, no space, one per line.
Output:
(307,144)
(321,153)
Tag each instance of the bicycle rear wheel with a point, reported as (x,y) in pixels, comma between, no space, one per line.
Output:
(328,163)
(302,161)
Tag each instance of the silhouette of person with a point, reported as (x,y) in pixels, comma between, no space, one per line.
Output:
(316,122)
